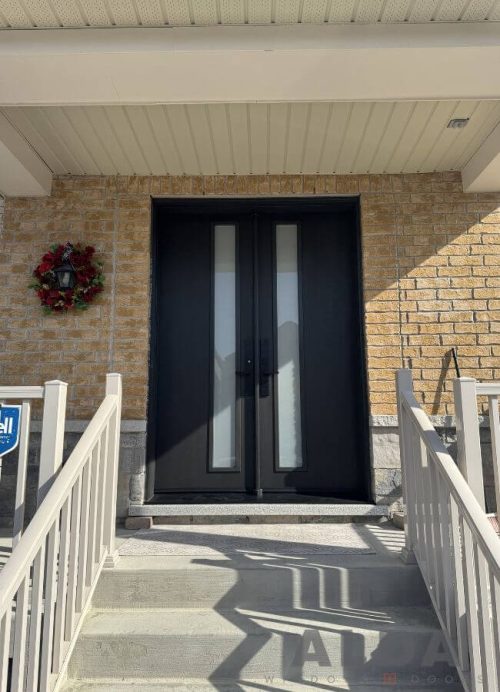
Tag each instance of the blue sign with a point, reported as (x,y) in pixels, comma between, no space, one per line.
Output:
(10,424)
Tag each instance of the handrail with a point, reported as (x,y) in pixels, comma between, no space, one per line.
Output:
(488,388)
(47,584)
(480,526)
(27,548)
(28,392)
(449,535)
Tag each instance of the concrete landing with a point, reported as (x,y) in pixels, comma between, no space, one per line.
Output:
(263,539)
(272,539)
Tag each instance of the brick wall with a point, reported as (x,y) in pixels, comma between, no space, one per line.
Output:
(431,263)
(2,208)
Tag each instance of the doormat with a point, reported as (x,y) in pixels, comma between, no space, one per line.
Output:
(252,540)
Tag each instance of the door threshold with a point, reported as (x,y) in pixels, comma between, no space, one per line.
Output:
(314,507)
(248,498)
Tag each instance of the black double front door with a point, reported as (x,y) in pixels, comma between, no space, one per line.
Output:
(257,366)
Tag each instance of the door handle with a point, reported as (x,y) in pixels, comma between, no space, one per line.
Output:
(248,371)
(245,369)
(266,370)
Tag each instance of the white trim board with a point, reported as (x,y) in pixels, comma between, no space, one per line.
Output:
(228,64)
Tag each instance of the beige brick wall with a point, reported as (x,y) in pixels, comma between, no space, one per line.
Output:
(431,263)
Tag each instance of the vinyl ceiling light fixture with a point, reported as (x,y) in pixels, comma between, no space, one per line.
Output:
(458,123)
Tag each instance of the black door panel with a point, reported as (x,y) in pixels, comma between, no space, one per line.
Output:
(329,407)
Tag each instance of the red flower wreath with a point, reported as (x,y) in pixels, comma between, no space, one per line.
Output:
(89,278)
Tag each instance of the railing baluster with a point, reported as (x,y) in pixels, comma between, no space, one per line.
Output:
(5,629)
(416,485)
(495,446)
(20,636)
(495,618)
(411,527)
(448,565)
(469,570)
(62,586)
(74,545)
(419,499)
(102,492)
(426,515)
(35,620)
(437,539)
(460,599)
(84,537)
(484,619)
(22,472)
(50,594)
(94,475)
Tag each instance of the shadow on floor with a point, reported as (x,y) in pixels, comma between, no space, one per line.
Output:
(310,621)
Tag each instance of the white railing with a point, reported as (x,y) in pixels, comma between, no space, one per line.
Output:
(47,583)
(466,392)
(454,544)
(53,394)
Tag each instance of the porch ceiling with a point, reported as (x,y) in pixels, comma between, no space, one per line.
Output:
(81,13)
(197,139)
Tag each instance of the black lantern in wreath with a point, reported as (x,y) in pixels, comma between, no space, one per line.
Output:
(68,277)
(65,272)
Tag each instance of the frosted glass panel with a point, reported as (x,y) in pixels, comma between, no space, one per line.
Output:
(224,412)
(287,302)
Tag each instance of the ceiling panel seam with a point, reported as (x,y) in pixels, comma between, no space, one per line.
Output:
(122,148)
(387,121)
(419,138)
(32,148)
(212,139)
(230,136)
(342,139)
(363,135)
(101,140)
(400,138)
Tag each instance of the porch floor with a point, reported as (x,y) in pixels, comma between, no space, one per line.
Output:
(365,541)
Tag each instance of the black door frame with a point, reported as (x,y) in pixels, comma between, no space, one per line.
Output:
(230,204)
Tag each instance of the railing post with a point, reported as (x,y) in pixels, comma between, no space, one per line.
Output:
(468,439)
(404,383)
(495,445)
(52,443)
(113,386)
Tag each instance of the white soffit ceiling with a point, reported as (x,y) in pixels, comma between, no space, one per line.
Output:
(382,137)
(26,14)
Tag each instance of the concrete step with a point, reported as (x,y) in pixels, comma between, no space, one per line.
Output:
(174,582)
(275,684)
(359,645)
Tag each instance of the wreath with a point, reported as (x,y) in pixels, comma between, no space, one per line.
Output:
(86,279)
